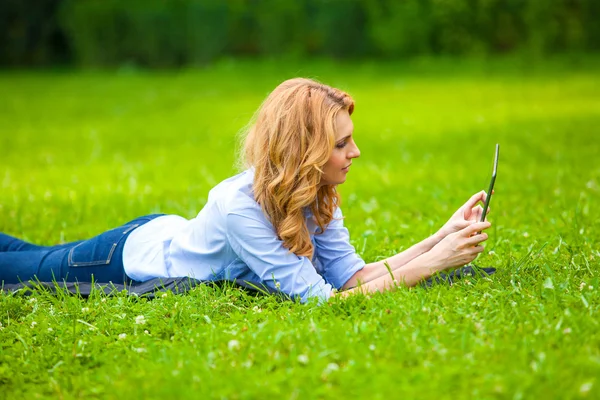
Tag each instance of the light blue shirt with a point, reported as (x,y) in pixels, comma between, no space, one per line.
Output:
(231,238)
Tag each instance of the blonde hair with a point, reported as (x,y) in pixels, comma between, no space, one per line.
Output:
(291,138)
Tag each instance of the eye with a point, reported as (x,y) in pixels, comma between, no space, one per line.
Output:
(341,145)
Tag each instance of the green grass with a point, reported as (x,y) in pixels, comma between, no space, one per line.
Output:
(84,152)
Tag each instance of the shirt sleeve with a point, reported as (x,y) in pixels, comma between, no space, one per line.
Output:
(253,238)
(335,253)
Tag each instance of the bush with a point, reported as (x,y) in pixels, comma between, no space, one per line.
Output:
(31,35)
(146,32)
(167,33)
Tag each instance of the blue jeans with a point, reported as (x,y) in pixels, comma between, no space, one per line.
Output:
(99,259)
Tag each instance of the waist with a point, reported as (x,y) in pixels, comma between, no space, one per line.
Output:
(144,251)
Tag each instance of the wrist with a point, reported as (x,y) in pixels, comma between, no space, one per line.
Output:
(430,262)
(439,235)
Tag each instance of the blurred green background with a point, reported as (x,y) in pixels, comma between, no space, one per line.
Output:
(114,109)
(159,33)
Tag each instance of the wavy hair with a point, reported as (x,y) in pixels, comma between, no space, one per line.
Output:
(290,140)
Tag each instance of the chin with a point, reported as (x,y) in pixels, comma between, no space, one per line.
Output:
(334,182)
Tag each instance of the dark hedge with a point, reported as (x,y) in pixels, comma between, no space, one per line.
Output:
(167,33)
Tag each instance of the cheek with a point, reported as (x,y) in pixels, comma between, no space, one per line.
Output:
(337,160)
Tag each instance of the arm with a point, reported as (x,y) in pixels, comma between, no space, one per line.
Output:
(456,249)
(375,270)
(468,213)
(253,239)
(411,273)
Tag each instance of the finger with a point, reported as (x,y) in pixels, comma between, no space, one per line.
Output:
(477,249)
(476,239)
(480,213)
(476,198)
(477,211)
(475,227)
(463,224)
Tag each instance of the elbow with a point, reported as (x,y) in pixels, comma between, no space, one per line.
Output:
(355,280)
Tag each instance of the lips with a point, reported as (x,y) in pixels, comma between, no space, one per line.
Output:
(347,167)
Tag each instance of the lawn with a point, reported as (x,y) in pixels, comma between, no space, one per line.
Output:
(81,152)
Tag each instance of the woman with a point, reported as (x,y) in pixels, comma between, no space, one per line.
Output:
(277,223)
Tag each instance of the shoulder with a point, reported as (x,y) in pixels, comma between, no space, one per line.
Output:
(337,221)
(235,193)
(234,198)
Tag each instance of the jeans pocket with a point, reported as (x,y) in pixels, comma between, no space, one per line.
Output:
(100,249)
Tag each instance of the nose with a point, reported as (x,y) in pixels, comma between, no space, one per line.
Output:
(355,152)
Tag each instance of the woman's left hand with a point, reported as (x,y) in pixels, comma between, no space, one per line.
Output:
(467,213)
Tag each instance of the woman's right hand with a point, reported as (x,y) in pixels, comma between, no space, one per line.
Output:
(459,248)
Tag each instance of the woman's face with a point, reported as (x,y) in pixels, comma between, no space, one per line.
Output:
(338,165)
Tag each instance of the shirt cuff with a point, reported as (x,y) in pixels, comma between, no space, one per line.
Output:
(321,291)
(349,272)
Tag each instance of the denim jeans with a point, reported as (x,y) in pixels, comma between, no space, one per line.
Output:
(99,259)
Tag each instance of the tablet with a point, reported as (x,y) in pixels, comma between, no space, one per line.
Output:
(491,188)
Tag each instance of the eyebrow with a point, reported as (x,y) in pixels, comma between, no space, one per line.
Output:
(344,138)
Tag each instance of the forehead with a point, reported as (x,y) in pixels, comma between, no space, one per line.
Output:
(343,125)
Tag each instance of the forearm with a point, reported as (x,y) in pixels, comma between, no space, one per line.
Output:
(378,269)
(411,273)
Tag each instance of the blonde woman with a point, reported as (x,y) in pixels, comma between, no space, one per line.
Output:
(277,224)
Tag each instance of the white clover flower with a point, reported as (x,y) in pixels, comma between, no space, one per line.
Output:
(582,286)
(139,349)
(233,345)
(586,387)
(164,295)
(146,332)
(103,300)
(85,310)
(33,324)
(303,359)
(331,367)
(257,309)
(525,234)
(32,300)
(372,347)
(50,329)
(277,285)
(140,320)
(122,336)
(566,331)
